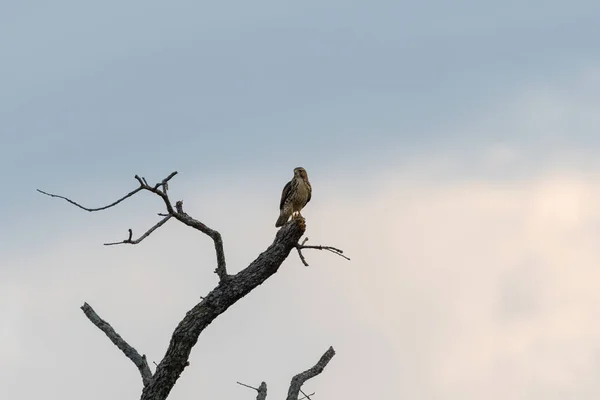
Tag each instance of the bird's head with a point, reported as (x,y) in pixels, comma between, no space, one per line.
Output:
(300,172)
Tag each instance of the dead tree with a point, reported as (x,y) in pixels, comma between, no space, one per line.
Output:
(227,292)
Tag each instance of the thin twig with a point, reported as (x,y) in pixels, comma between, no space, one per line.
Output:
(301,256)
(163,183)
(298,380)
(306,396)
(302,246)
(93,209)
(157,191)
(139,360)
(248,386)
(144,236)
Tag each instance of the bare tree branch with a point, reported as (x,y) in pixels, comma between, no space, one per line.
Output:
(164,182)
(301,246)
(298,380)
(178,213)
(93,209)
(131,353)
(248,386)
(306,396)
(221,269)
(144,236)
(155,189)
(143,186)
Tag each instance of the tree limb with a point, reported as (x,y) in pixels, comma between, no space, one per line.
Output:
(131,353)
(298,380)
(176,212)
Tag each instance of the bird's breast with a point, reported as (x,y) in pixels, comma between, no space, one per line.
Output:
(302,192)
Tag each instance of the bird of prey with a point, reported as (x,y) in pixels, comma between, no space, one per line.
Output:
(295,195)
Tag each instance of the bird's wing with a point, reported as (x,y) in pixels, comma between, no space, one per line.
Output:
(287,189)
(308,198)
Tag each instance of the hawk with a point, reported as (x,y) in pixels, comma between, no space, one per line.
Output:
(295,195)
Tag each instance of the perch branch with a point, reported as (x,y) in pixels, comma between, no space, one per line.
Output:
(302,246)
(144,236)
(139,360)
(306,396)
(298,380)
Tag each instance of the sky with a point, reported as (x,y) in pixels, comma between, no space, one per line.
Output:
(453,153)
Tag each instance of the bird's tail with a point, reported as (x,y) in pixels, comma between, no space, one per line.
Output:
(281,220)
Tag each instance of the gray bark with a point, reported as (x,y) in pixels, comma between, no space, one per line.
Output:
(298,380)
(262,391)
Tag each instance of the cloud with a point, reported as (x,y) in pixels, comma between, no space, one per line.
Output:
(495,284)
(474,275)
(467,289)
(10,309)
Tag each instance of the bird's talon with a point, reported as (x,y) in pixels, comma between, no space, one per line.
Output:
(301,223)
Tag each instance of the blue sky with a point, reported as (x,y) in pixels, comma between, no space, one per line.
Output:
(491,107)
(90,89)
(203,83)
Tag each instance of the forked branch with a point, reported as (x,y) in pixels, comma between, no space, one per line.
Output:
(306,396)
(129,240)
(301,246)
(160,189)
(298,380)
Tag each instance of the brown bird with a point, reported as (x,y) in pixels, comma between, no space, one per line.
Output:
(295,195)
